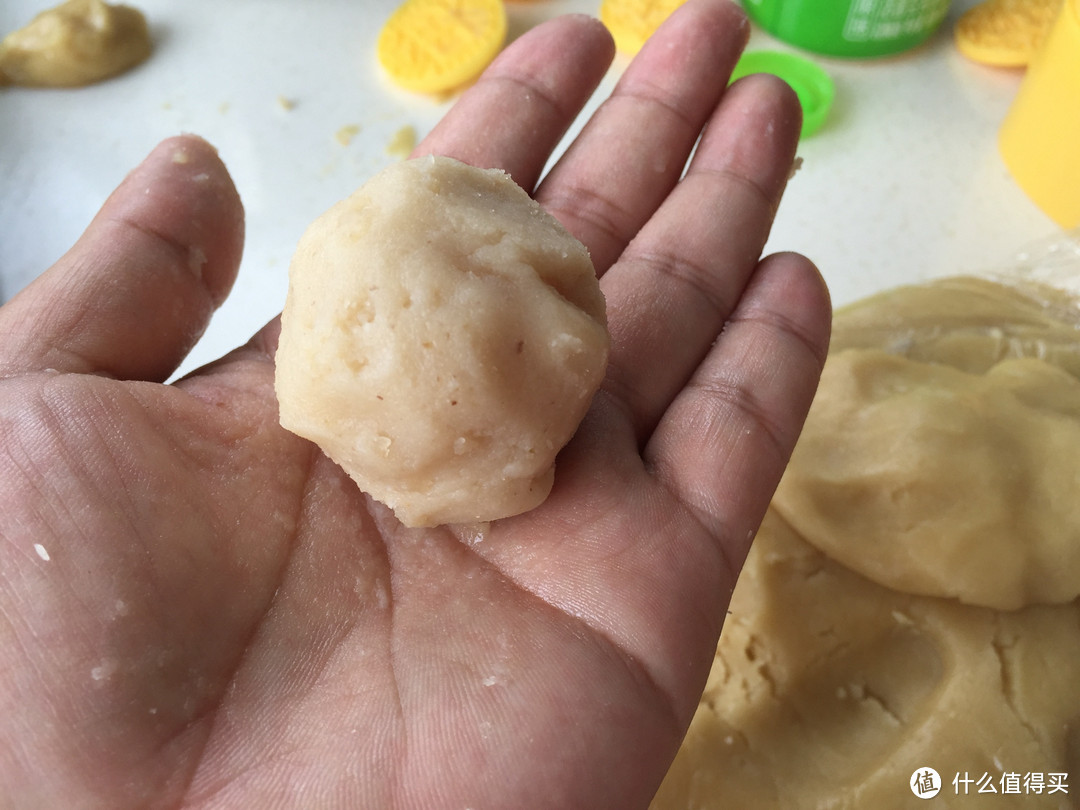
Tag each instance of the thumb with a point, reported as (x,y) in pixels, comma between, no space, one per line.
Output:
(137,290)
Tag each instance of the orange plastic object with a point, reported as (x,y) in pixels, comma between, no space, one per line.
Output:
(631,22)
(436,46)
(1040,137)
(1005,33)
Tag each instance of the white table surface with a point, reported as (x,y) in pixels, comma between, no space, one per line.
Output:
(903,183)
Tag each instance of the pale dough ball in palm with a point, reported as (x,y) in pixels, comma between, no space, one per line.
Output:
(442,339)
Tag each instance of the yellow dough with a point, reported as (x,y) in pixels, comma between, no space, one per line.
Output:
(910,600)
(966,322)
(442,339)
(76,43)
(949,464)
(829,691)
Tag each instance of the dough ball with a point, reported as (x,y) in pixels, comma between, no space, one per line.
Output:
(946,463)
(442,339)
(829,691)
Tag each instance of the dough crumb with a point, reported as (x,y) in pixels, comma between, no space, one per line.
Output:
(346,133)
(402,143)
(103,671)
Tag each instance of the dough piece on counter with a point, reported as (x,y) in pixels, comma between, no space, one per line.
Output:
(442,339)
(948,467)
(829,691)
(76,43)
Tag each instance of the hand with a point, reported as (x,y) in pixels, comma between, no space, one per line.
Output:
(199,609)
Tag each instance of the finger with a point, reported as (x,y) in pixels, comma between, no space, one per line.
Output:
(136,291)
(515,114)
(680,278)
(633,150)
(722,445)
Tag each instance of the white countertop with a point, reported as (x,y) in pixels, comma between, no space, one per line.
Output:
(903,183)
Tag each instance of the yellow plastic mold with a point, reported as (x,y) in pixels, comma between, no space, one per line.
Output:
(436,46)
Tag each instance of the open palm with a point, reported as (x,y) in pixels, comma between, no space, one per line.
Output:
(199,609)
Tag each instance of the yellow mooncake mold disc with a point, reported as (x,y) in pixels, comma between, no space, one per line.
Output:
(631,22)
(436,46)
(1005,33)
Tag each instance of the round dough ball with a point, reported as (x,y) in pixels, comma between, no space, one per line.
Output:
(442,339)
(946,462)
(829,691)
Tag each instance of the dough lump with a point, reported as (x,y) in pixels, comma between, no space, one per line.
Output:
(76,43)
(442,339)
(829,691)
(941,455)
(910,599)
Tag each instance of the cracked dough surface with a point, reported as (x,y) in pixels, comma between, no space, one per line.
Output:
(910,599)
(442,339)
(829,691)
